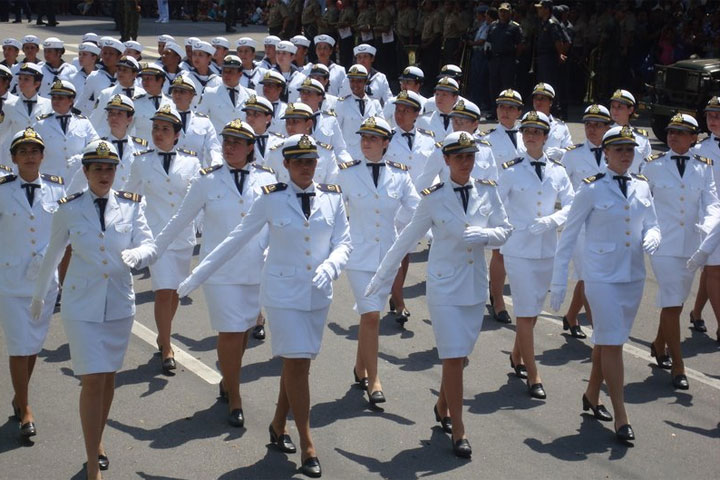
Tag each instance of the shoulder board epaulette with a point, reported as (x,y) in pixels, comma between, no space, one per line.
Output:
(44,116)
(704,139)
(69,198)
(512,162)
(429,190)
(7,178)
(345,165)
(653,157)
(703,159)
(274,187)
(277,134)
(438,144)
(488,132)
(429,133)
(275,147)
(6,168)
(593,178)
(513,22)
(640,131)
(326,146)
(558,121)
(330,112)
(640,176)
(264,168)
(483,142)
(573,147)
(210,169)
(139,95)
(77,112)
(201,115)
(342,99)
(81,116)
(149,150)
(187,152)
(557,162)
(400,166)
(485,181)
(140,141)
(135,197)
(329,188)
(53,178)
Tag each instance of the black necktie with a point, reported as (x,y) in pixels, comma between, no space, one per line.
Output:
(361,105)
(538,168)
(183,117)
(30,191)
(29,104)
(156,101)
(167,158)
(101,203)
(598,154)
(464,195)
(513,138)
(680,159)
(120,145)
(262,142)
(410,137)
(232,93)
(314,119)
(63,122)
(622,183)
(239,182)
(446,120)
(375,171)
(717,139)
(130,91)
(305,202)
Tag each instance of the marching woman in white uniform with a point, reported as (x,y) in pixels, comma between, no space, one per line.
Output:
(109,236)
(225,193)
(375,191)
(622,109)
(465,216)
(529,187)
(309,245)
(163,176)
(686,201)
(618,215)
(709,249)
(27,202)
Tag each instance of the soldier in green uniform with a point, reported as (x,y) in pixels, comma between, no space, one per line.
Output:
(278,17)
(295,8)
(453,30)
(130,20)
(346,22)
(385,39)
(405,29)
(329,20)
(431,42)
(311,15)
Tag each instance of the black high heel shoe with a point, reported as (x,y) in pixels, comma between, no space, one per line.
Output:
(462,448)
(536,390)
(445,422)
(376,397)
(680,382)
(663,361)
(599,411)
(259,332)
(362,382)
(282,442)
(520,370)
(698,324)
(625,433)
(236,418)
(103,462)
(311,467)
(168,365)
(28,430)
(402,316)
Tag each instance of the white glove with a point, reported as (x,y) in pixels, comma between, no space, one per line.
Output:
(323,277)
(554,152)
(700,228)
(475,236)
(36,308)
(186,287)
(33,268)
(557,296)
(130,258)
(373,287)
(698,259)
(541,225)
(651,242)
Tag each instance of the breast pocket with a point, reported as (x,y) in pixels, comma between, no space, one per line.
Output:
(600,258)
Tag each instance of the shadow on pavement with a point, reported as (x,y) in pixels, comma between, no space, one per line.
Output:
(150,373)
(353,404)
(274,464)
(658,385)
(705,432)
(10,438)
(147,476)
(205,345)
(59,355)
(511,396)
(415,362)
(573,350)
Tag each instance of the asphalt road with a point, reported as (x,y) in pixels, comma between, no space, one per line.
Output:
(172,428)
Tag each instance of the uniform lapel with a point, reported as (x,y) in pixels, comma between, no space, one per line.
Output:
(112,210)
(385,177)
(21,197)
(452,202)
(671,165)
(473,201)
(227,178)
(294,201)
(90,211)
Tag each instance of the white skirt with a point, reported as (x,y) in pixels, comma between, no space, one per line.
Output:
(529,283)
(296,333)
(456,328)
(232,308)
(359,281)
(98,347)
(614,306)
(171,268)
(674,280)
(23,335)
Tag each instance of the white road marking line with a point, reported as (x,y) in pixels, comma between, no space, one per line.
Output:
(188,361)
(633,350)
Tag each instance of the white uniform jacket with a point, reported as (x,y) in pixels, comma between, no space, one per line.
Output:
(389,110)
(98,116)
(217,104)
(17,117)
(144,110)
(526,198)
(214,192)
(457,273)
(96,82)
(98,286)
(435,122)
(5,100)
(277,124)
(271,140)
(131,146)
(164,191)
(377,87)
(326,170)
(337,77)
(251,78)
(436,170)
(26,230)
(202,83)
(350,118)
(63,151)
(78,79)
(558,139)
(50,75)
(502,146)
(199,136)
(615,227)
(682,202)
(710,147)
(415,158)
(580,163)
(327,130)
(293,79)
(373,209)
(297,246)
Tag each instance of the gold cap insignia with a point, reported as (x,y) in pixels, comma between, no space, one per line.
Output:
(715,101)
(252,99)
(178,80)
(305,142)
(103,149)
(165,109)
(677,118)
(403,95)
(594,109)
(540,86)
(236,124)
(30,133)
(617,94)
(533,116)
(465,140)
(116,100)
(460,105)
(267,75)
(57,84)
(626,132)
(307,82)
(370,123)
